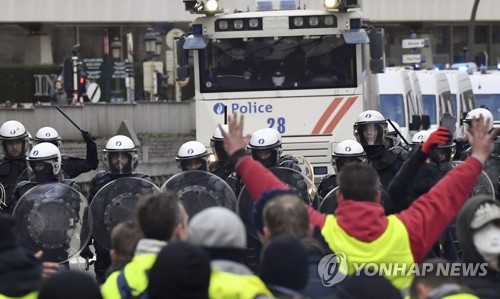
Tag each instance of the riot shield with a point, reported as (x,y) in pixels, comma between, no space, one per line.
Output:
(51,219)
(492,169)
(198,190)
(295,180)
(28,175)
(329,204)
(114,203)
(483,184)
(305,166)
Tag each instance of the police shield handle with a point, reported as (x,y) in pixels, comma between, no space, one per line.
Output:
(233,138)
(480,140)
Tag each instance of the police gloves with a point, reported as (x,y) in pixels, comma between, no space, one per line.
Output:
(88,137)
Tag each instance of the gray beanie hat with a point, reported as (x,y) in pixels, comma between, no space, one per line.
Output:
(217,227)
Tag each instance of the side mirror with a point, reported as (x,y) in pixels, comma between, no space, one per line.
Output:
(426,122)
(416,122)
(464,115)
(377,54)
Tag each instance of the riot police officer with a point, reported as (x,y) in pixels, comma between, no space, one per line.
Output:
(120,157)
(462,146)
(370,130)
(71,166)
(15,142)
(219,167)
(45,162)
(192,155)
(347,151)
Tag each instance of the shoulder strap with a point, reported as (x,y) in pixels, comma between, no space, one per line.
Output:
(125,290)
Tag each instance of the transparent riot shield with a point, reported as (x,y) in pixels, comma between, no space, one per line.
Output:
(116,202)
(329,204)
(295,180)
(51,219)
(492,169)
(483,184)
(198,190)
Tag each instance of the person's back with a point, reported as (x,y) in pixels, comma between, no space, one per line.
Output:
(360,225)
(20,271)
(222,234)
(282,257)
(162,219)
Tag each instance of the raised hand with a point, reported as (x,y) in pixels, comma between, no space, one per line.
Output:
(440,136)
(233,138)
(480,140)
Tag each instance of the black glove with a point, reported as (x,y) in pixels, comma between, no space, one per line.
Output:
(88,137)
(87,253)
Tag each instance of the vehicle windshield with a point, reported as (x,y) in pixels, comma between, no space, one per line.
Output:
(392,107)
(490,102)
(430,107)
(277,63)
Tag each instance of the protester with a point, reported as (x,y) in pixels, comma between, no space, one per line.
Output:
(360,225)
(284,267)
(478,232)
(162,219)
(434,283)
(222,233)
(181,271)
(124,239)
(20,271)
(70,284)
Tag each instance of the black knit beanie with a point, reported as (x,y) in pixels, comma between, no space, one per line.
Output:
(70,284)
(284,263)
(181,271)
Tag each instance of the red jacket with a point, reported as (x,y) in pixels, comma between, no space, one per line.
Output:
(424,220)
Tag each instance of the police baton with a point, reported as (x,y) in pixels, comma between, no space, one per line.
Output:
(65,115)
(397,131)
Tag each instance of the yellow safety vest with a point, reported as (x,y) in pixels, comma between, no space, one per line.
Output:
(390,253)
(32,295)
(461,296)
(135,274)
(224,285)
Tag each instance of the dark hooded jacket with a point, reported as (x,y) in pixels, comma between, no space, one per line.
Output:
(20,271)
(487,286)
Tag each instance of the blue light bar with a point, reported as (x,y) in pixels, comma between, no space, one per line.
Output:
(197,30)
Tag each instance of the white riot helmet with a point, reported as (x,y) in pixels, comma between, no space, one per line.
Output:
(265,146)
(392,135)
(475,113)
(48,134)
(120,154)
(45,161)
(217,143)
(442,153)
(419,138)
(192,155)
(370,128)
(346,152)
(14,130)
